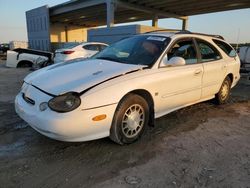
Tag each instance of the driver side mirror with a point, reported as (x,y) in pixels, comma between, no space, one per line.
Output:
(173,62)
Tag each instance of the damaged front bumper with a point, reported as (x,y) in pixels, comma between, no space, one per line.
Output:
(73,126)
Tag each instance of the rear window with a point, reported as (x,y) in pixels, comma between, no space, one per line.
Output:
(225,47)
(91,47)
(102,47)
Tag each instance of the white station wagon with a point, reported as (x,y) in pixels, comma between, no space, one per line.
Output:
(122,89)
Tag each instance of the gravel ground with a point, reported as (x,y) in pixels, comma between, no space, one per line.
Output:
(204,145)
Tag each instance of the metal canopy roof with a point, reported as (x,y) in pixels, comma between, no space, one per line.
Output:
(92,13)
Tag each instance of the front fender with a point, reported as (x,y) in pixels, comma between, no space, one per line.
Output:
(114,90)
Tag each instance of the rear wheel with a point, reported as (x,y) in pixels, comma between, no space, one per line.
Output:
(24,64)
(223,95)
(130,119)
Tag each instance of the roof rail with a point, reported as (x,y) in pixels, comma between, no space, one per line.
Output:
(161,30)
(209,35)
(186,32)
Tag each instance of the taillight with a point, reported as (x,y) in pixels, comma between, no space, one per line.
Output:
(67,52)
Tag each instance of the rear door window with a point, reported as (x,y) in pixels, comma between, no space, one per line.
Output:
(226,48)
(207,51)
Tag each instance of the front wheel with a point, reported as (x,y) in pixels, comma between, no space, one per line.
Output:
(130,119)
(223,95)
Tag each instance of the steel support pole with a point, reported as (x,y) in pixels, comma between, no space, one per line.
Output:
(66,33)
(155,21)
(185,24)
(110,13)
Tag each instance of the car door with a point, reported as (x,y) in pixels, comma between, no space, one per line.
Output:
(214,68)
(181,85)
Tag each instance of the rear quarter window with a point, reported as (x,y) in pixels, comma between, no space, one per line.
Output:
(102,47)
(225,47)
(91,47)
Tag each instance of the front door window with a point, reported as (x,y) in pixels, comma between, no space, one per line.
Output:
(184,49)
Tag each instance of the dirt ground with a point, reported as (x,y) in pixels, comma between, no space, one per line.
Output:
(204,145)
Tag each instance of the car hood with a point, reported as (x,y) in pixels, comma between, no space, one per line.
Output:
(77,76)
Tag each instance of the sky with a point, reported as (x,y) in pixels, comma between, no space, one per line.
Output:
(234,26)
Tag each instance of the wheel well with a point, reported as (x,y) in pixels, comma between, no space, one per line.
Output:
(148,97)
(231,77)
(23,63)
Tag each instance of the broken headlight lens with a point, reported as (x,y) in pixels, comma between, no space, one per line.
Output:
(65,103)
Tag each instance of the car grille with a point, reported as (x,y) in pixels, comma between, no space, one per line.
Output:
(28,100)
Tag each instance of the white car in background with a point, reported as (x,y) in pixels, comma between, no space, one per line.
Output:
(83,50)
(121,90)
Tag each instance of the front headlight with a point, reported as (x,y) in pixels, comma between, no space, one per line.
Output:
(65,103)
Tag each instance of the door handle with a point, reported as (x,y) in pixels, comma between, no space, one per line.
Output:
(197,72)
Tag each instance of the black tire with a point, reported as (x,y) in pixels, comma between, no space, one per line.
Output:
(224,93)
(120,130)
(24,64)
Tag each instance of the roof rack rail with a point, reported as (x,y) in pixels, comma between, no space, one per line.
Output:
(186,32)
(209,35)
(160,30)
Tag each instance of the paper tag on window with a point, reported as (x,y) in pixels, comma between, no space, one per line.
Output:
(156,38)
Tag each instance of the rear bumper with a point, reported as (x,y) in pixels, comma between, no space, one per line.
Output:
(235,80)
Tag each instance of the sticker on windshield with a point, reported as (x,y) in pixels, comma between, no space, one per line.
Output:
(156,38)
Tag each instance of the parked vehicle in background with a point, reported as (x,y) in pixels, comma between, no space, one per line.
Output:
(18,44)
(121,90)
(83,50)
(19,58)
(244,54)
(4,48)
